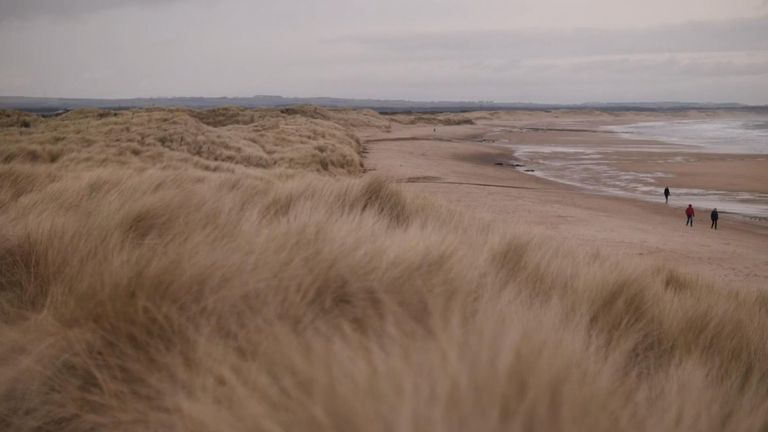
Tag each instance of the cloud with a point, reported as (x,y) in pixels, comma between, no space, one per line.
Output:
(26,9)
(368,49)
(654,66)
(715,36)
(718,60)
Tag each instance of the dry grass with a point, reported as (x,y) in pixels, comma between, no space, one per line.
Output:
(136,299)
(218,140)
(17,119)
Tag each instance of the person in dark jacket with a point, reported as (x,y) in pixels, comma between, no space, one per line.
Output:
(690,214)
(714,216)
(666,194)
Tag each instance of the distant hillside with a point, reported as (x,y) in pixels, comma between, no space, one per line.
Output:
(53,105)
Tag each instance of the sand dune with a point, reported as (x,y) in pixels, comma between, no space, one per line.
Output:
(216,140)
(234,270)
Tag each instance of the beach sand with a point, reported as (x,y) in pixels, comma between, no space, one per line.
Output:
(458,165)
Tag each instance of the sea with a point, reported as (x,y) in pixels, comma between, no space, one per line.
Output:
(721,136)
(600,169)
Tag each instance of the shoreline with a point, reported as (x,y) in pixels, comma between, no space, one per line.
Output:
(608,162)
(457,165)
(760,214)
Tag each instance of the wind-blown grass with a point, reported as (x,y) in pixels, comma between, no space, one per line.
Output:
(138,297)
(217,140)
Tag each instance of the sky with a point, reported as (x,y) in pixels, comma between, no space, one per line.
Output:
(548,51)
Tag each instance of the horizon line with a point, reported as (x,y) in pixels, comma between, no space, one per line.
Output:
(399,100)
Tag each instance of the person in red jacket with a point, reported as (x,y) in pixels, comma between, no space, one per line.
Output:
(689,212)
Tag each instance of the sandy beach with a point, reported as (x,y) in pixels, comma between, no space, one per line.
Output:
(472,167)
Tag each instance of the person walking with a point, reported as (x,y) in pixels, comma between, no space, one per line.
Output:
(714,216)
(666,194)
(690,214)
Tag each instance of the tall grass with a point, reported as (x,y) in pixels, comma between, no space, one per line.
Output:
(136,298)
(231,140)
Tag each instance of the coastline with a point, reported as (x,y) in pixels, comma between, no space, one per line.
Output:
(610,162)
(458,165)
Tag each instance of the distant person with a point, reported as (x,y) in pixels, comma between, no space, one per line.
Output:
(666,194)
(690,213)
(714,216)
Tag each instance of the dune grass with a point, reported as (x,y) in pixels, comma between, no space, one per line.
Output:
(158,294)
(232,140)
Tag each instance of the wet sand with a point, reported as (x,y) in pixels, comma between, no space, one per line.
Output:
(734,173)
(458,165)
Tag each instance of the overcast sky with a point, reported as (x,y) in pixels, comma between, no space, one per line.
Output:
(559,51)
